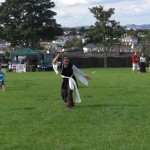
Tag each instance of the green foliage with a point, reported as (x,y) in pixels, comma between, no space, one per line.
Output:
(105,31)
(132,32)
(146,38)
(146,31)
(95,35)
(82,30)
(26,23)
(113,115)
(7,54)
(75,42)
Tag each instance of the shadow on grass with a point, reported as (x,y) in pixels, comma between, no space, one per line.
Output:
(20,109)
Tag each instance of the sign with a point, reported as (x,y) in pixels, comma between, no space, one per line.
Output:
(21,68)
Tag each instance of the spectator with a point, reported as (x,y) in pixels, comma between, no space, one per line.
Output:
(135,62)
(143,63)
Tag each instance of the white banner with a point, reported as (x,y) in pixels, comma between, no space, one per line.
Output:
(21,68)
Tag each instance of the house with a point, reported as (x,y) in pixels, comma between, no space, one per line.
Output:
(60,41)
(4,46)
(132,44)
(84,40)
(129,40)
(90,48)
(47,45)
(141,34)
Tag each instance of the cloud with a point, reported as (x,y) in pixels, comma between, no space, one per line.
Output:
(71,3)
(132,12)
(76,13)
(74,16)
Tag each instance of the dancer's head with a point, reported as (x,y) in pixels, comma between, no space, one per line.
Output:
(65,60)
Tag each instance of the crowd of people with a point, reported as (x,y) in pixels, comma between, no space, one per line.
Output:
(140,63)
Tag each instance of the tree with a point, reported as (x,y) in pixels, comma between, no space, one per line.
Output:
(75,42)
(132,32)
(146,44)
(7,54)
(146,39)
(82,30)
(105,31)
(27,22)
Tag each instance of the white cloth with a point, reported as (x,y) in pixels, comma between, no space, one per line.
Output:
(55,66)
(80,75)
(143,59)
(72,84)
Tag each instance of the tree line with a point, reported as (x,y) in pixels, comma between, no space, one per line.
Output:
(25,23)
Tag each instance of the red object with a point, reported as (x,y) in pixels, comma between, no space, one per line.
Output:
(135,59)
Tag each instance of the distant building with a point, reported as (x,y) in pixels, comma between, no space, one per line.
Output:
(141,34)
(4,46)
(60,41)
(84,40)
(129,40)
(90,48)
(130,44)
(46,45)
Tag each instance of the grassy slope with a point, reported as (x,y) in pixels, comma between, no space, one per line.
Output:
(114,113)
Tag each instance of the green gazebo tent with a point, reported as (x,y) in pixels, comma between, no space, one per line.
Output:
(26,52)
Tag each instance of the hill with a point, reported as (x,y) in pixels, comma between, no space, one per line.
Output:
(134,26)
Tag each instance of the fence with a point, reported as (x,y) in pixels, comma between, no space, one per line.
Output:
(94,62)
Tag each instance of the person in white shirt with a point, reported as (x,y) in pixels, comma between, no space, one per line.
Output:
(143,62)
(69,82)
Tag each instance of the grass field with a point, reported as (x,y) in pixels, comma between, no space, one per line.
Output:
(114,113)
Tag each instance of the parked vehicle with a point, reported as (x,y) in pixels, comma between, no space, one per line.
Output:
(46,64)
(4,63)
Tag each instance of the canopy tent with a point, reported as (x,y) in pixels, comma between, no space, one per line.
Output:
(26,52)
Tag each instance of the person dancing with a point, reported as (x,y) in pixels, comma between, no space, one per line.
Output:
(69,82)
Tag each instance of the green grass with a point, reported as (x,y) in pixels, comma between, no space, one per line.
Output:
(114,113)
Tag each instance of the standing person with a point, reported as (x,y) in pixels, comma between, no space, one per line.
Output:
(148,61)
(135,62)
(69,82)
(143,63)
(2,79)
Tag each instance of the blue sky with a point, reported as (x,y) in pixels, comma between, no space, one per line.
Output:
(72,13)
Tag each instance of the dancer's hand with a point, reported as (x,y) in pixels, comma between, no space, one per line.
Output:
(88,78)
